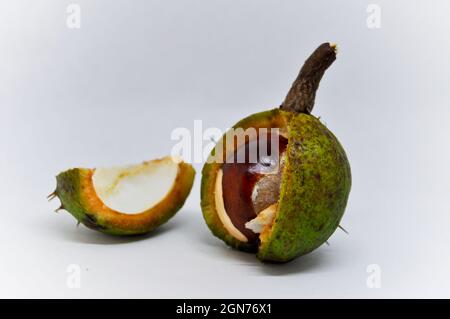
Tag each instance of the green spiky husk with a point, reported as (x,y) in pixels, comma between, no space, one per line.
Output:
(69,192)
(314,191)
(76,201)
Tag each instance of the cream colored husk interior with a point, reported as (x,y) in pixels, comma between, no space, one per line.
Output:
(136,188)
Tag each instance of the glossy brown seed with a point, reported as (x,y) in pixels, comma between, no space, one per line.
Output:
(240,179)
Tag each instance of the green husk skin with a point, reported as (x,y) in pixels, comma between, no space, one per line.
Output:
(70,193)
(271,118)
(314,191)
(316,180)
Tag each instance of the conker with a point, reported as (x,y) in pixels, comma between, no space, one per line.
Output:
(248,187)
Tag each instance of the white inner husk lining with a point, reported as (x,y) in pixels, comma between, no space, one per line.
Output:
(136,188)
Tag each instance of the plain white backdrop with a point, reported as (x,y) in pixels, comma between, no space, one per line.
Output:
(112,91)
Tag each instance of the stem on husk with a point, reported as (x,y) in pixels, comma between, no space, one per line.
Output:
(301,96)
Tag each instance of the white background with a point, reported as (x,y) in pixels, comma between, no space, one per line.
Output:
(111,93)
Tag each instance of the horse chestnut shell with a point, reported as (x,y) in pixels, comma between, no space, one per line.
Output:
(286,204)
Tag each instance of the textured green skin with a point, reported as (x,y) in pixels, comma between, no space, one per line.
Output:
(314,191)
(69,192)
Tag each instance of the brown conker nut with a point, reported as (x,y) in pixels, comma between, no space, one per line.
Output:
(248,187)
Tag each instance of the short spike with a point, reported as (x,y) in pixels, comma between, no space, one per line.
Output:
(59,208)
(343,229)
(52,196)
